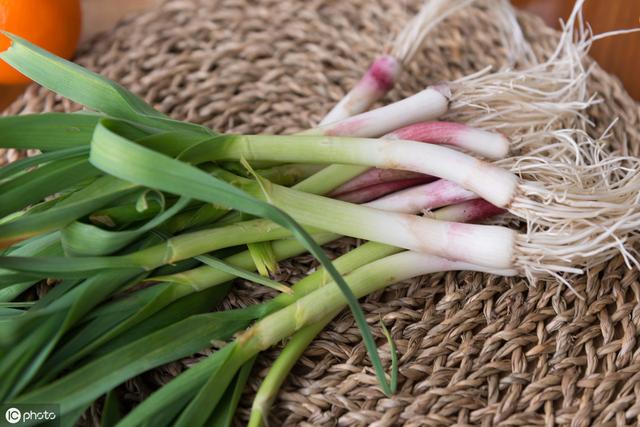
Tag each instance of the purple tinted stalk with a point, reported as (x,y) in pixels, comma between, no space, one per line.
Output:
(492,145)
(427,104)
(376,82)
(488,144)
(429,196)
(373,192)
(377,176)
(469,211)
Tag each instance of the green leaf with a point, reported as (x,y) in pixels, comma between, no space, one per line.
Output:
(101,192)
(18,371)
(213,391)
(263,257)
(225,411)
(205,214)
(71,419)
(218,264)
(121,215)
(66,268)
(184,386)
(41,245)
(111,411)
(85,87)
(47,131)
(394,357)
(79,239)
(6,313)
(18,304)
(87,383)
(16,361)
(107,333)
(21,165)
(46,180)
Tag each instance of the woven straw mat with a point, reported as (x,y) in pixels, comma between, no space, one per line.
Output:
(474,349)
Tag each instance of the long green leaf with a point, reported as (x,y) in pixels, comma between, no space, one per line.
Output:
(101,192)
(87,383)
(90,340)
(225,411)
(47,131)
(81,239)
(28,162)
(213,391)
(90,293)
(85,87)
(44,181)
(222,384)
(15,362)
(218,264)
(111,411)
(42,245)
(185,385)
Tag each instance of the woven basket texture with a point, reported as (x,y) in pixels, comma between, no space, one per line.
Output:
(474,349)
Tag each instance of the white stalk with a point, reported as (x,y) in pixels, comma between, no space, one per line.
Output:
(376,83)
(491,145)
(424,197)
(492,183)
(428,104)
(491,246)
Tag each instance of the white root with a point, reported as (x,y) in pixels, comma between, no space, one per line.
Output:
(578,200)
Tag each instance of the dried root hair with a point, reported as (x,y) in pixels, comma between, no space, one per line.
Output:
(409,41)
(578,215)
(526,103)
(578,201)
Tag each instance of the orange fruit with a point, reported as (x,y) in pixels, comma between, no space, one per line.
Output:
(51,24)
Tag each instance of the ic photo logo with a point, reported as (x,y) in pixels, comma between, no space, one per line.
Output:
(13,415)
(30,414)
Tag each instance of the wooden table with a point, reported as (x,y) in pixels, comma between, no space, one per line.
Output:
(619,55)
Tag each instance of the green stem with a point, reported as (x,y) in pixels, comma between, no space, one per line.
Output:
(314,306)
(287,175)
(280,369)
(201,242)
(204,277)
(330,178)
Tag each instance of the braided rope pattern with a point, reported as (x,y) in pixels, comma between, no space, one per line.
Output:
(475,349)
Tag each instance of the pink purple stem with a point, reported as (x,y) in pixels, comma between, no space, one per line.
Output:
(376,83)
(469,211)
(442,133)
(373,192)
(429,196)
